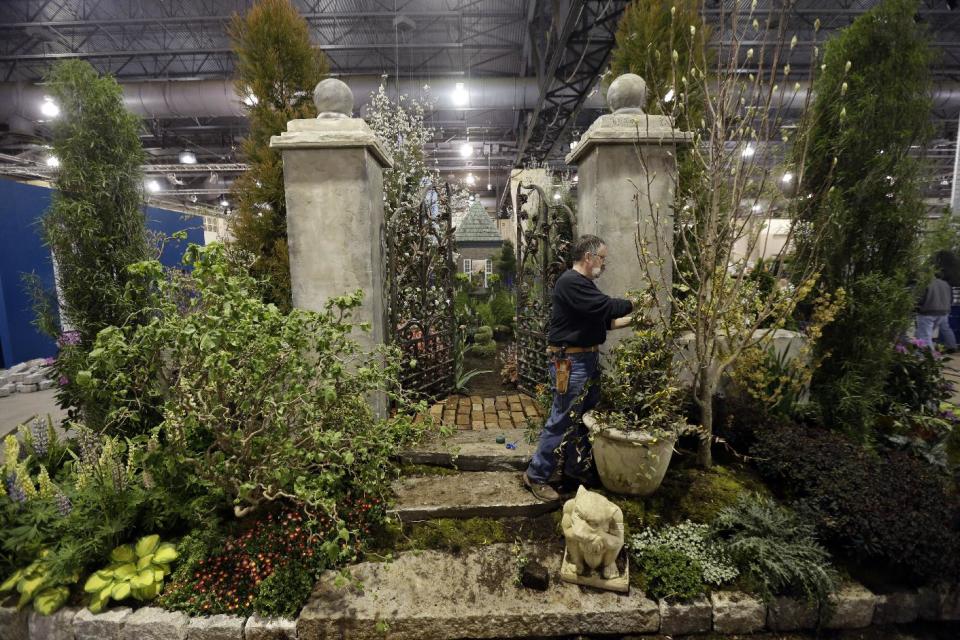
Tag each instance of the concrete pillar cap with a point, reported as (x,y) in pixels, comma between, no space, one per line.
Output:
(627,94)
(333,98)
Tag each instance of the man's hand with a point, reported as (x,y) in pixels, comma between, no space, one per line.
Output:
(621,323)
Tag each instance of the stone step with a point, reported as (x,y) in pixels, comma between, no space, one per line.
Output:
(474,451)
(483,494)
(430,595)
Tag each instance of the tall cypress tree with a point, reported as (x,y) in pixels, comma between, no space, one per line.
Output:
(872,104)
(95,225)
(277,70)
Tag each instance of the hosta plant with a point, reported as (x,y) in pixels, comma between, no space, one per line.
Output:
(35,584)
(135,570)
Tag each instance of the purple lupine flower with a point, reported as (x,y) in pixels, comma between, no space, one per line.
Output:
(49,362)
(15,489)
(64,506)
(89,445)
(917,342)
(63,381)
(900,348)
(40,436)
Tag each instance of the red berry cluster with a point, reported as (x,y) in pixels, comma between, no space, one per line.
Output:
(228,582)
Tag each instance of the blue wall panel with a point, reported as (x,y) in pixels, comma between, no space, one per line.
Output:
(22,251)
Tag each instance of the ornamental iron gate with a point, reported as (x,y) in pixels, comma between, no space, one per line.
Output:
(543,248)
(420,277)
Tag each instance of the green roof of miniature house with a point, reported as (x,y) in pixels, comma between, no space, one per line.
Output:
(477,226)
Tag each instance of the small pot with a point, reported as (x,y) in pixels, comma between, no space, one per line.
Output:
(629,462)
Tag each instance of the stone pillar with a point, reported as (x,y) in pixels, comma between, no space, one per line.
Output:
(627,172)
(333,177)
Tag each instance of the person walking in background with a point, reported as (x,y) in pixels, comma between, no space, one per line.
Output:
(933,312)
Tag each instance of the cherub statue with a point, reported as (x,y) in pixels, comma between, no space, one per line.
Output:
(593,528)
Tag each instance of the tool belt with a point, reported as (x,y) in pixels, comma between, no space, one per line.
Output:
(565,364)
(552,349)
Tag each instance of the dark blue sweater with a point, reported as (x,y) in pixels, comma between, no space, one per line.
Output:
(581,312)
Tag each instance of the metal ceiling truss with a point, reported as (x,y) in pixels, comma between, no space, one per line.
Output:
(143,38)
(569,72)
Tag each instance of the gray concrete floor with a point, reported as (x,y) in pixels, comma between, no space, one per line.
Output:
(18,408)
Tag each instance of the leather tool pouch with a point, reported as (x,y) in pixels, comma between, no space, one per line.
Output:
(563,365)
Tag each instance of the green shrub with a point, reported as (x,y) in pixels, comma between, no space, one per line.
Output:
(693,541)
(775,551)
(886,509)
(667,574)
(915,380)
(95,226)
(278,65)
(862,233)
(485,313)
(484,349)
(231,575)
(256,404)
(504,308)
(284,591)
(483,334)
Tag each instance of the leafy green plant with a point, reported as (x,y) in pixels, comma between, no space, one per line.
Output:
(277,69)
(35,584)
(504,308)
(135,570)
(776,552)
(862,233)
(883,508)
(257,405)
(95,226)
(267,566)
(640,390)
(915,379)
(693,541)
(668,574)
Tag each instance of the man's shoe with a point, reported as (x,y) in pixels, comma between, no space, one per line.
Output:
(540,490)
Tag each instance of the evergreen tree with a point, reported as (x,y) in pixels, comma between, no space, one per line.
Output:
(872,104)
(95,225)
(277,70)
(654,41)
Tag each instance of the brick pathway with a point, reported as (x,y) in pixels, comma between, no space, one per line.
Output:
(500,412)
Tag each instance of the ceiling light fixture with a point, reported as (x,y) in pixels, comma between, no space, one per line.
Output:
(49,108)
(471,180)
(53,162)
(787,178)
(748,151)
(188,157)
(153,186)
(224,202)
(460,95)
(466,149)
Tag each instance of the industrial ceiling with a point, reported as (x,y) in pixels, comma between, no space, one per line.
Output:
(530,71)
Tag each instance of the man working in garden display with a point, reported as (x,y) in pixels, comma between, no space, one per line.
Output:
(581,316)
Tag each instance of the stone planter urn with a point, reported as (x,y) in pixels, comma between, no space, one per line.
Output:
(629,462)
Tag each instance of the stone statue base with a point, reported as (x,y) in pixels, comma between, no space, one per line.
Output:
(620,584)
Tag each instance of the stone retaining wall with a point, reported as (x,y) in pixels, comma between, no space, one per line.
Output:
(723,612)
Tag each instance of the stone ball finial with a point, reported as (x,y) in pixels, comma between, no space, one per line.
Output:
(333,98)
(627,94)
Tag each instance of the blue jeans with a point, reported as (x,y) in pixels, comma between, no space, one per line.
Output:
(564,433)
(926,325)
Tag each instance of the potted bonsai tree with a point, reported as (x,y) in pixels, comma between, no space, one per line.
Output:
(635,425)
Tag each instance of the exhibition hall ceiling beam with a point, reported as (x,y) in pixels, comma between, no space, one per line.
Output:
(568,71)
